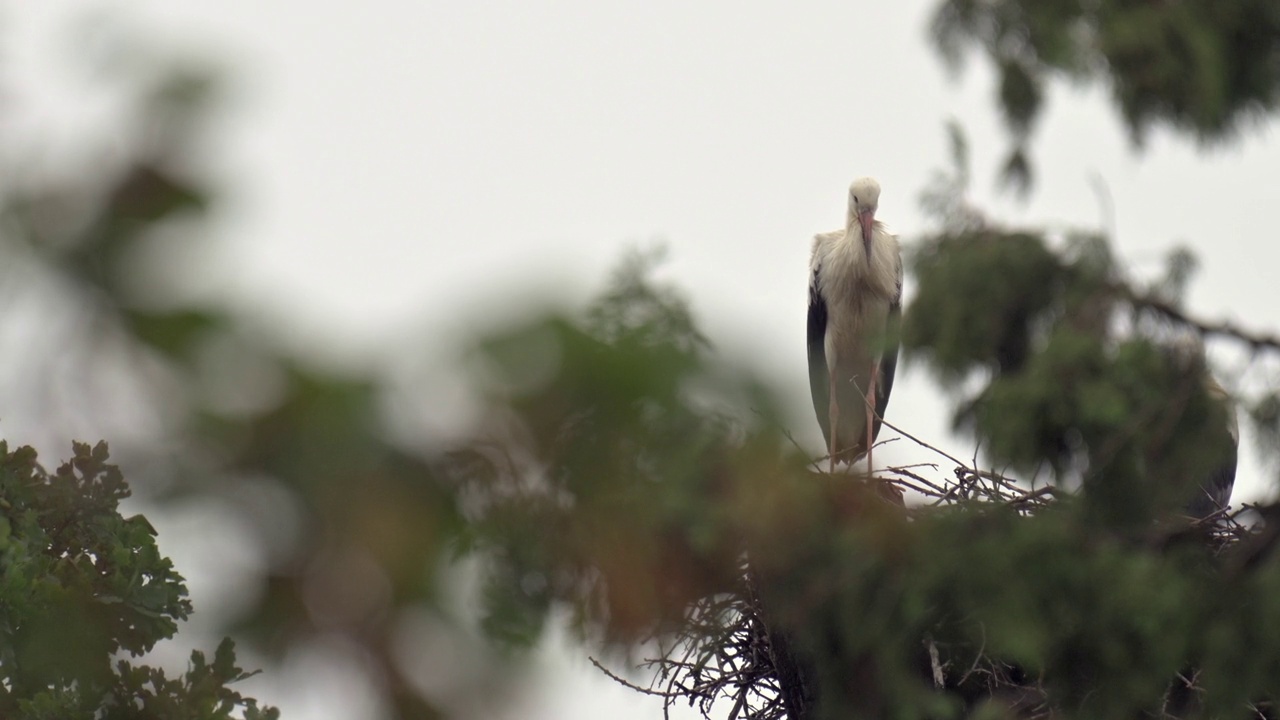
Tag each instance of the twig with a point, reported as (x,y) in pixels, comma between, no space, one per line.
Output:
(981,654)
(630,685)
(1255,340)
(920,442)
(903,472)
(1031,495)
(935,663)
(816,464)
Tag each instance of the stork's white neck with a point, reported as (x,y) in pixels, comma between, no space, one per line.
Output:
(851,249)
(849,267)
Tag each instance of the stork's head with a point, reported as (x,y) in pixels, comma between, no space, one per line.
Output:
(864,196)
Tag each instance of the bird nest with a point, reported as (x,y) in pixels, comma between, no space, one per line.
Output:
(725,656)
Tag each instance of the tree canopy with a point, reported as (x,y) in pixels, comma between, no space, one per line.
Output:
(1205,69)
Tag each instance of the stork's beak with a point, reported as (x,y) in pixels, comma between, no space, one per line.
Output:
(867,219)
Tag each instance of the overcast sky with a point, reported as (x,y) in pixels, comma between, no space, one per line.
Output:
(398,168)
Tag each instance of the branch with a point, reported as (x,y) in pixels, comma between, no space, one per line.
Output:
(1257,341)
(920,442)
(632,686)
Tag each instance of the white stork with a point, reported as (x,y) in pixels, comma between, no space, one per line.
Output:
(1215,492)
(855,299)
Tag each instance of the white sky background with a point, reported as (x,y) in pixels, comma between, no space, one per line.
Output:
(397,170)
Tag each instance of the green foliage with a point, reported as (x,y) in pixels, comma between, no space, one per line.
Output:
(1008,280)
(362,505)
(639,312)
(1064,385)
(1202,67)
(357,528)
(611,492)
(615,494)
(201,692)
(81,584)
(1105,622)
(943,199)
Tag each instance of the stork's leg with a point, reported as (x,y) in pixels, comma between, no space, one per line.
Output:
(833,416)
(871,415)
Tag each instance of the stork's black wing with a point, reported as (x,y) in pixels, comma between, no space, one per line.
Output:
(1215,493)
(819,375)
(1222,447)
(889,359)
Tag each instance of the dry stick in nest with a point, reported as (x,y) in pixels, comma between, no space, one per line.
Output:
(715,659)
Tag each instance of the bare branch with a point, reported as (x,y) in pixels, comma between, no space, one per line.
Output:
(1257,341)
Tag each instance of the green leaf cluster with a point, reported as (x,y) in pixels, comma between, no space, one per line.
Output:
(612,487)
(301,454)
(1102,621)
(617,495)
(1069,376)
(79,585)
(1201,67)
